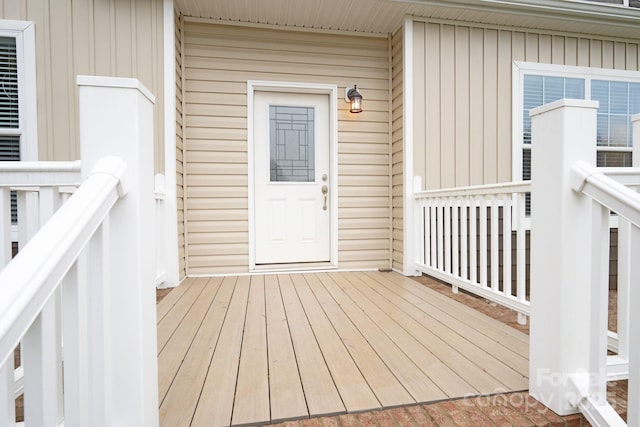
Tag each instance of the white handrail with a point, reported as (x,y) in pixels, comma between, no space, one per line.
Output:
(35,174)
(607,191)
(477,190)
(33,275)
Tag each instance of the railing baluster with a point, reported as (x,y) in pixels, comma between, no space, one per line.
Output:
(5,226)
(447,235)
(7,399)
(633,410)
(483,242)
(76,345)
(28,220)
(464,256)
(506,244)
(495,244)
(99,318)
(425,224)
(521,240)
(43,386)
(433,233)
(624,283)
(440,223)
(473,241)
(599,300)
(455,245)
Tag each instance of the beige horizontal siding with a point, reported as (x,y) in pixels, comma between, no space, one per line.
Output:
(463,96)
(115,38)
(397,141)
(219,60)
(178,29)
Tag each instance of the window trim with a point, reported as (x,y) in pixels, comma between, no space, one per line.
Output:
(520,69)
(24,33)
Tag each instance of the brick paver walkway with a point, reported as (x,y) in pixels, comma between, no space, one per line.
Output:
(515,409)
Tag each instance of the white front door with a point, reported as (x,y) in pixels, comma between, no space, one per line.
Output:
(292,178)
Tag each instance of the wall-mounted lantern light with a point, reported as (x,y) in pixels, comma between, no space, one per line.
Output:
(353,97)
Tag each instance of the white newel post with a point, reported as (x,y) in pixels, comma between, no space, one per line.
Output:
(116,118)
(563,133)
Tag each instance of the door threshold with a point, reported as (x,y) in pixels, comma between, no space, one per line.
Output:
(299,266)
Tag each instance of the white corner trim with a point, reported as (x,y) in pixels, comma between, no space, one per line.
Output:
(170,201)
(116,82)
(251,175)
(306,88)
(408,258)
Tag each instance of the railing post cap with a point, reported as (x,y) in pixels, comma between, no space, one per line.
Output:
(581,103)
(115,82)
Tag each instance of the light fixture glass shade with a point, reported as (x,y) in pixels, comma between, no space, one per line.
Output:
(355,100)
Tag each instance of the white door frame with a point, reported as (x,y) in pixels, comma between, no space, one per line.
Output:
(307,88)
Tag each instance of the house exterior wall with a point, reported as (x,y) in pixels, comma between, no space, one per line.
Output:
(397,140)
(462,99)
(114,38)
(463,95)
(219,60)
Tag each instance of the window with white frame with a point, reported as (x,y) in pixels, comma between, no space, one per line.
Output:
(18,134)
(618,94)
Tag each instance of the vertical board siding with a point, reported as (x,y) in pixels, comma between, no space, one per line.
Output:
(463,96)
(397,175)
(116,38)
(219,60)
(177,25)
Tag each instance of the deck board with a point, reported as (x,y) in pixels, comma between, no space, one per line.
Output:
(172,355)
(319,389)
(385,314)
(417,383)
(285,388)
(356,393)
(251,403)
(497,331)
(216,398)
(173,319)
(482,352)
(379,377)
(468,368)
(259,349)
(179,404)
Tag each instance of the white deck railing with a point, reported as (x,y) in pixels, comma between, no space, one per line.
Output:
(37,283)
(80,293)
(475,238)
(610,195)
(41,189)
(573,200)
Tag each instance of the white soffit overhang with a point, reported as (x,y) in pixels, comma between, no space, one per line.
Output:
(386,16)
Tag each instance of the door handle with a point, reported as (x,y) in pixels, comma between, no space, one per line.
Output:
(325,191)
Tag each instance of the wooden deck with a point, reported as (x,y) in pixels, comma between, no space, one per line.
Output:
(260,349)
